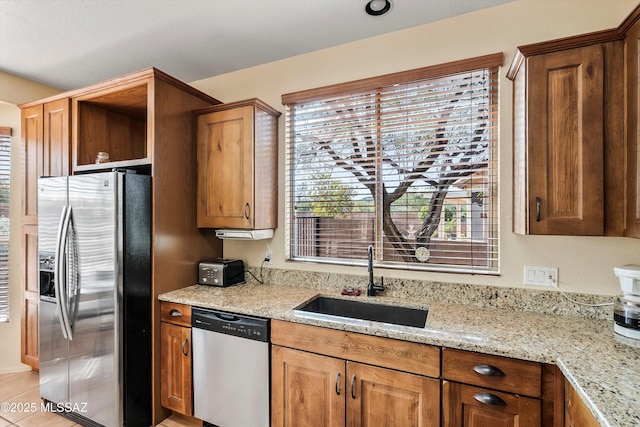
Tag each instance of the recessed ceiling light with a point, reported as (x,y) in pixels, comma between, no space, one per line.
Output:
(377,7)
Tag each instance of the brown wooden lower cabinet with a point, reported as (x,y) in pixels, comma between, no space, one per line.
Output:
(576,413)
(306,389)
(384,397)
(469,406)
(315,390)
(175,368)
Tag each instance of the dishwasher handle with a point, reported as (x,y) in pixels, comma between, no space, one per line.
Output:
(226,316)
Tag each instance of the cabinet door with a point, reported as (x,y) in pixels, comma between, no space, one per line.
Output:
(56,138)
(175,368)
(379,397)
(632,89)
(565,142)
(225,168)
(30,297)
(306,389)
(32,161)
(468,406)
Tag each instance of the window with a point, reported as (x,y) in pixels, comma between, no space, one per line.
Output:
(5,157)
(405,162)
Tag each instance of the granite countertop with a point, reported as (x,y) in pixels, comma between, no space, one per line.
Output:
(601,365)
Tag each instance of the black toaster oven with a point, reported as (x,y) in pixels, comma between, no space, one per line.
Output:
(220,272)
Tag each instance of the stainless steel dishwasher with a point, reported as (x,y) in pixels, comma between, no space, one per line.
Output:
(230,369)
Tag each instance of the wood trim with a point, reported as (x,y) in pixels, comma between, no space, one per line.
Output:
(253,102)
(629,21)
(570,42)
(419,359)
(516,64)
(121,80)
(564,43)
(486,61)
(5,131)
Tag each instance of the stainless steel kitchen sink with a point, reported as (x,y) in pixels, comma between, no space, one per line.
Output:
(348,311)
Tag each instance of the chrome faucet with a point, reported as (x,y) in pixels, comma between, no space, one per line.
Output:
(372,288)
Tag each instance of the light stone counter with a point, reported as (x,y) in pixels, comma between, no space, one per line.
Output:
(603,367)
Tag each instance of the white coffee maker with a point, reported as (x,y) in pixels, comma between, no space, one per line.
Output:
(626,312)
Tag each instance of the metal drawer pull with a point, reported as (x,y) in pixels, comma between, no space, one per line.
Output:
(353,386)
(338,383)
(185,347)
(488,370)
(175,313)
(538,202)
(489,399)
(247,210)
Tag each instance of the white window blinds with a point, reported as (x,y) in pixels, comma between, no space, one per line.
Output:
(405,162)
(5,161)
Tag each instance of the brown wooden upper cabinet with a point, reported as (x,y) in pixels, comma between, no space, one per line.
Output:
(560,142)
(575,165)
(632,56)
(238,166)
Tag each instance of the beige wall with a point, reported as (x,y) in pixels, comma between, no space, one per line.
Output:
(15,90)
(585,263)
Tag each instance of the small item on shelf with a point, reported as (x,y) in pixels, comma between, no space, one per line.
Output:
(102,157)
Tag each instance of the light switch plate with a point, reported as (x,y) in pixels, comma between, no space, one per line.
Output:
(541,276)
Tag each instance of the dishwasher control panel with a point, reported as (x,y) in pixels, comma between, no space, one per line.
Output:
(239,325)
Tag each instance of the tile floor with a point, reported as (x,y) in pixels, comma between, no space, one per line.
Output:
(23,388)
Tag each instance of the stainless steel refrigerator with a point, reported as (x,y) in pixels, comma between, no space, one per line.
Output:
(94,244)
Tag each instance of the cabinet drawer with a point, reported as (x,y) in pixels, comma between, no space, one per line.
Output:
(498,373)
(465,405)
(178,314)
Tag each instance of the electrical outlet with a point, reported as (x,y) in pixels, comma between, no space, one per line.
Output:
(541,276)
(267,256)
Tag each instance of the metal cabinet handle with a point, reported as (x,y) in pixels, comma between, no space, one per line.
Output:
(489,399)
(175,313)
(247,210)
(353,386)
(185,346)
(338,383)
(488,370)
(538,202)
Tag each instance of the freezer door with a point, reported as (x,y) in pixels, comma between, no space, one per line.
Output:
(53,347)
(93,275)
(54,351)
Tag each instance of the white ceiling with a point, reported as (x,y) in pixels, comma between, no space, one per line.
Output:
(69,44)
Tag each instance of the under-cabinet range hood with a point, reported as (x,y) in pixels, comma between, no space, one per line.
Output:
(234,234)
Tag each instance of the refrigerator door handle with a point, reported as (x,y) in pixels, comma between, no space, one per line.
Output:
(62,270)
(72,276)
(58,274)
